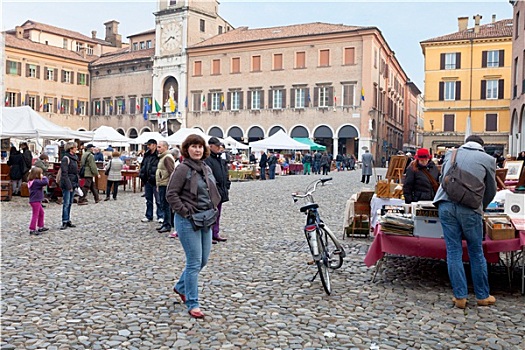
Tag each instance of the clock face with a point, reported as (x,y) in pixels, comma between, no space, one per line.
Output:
(170,37)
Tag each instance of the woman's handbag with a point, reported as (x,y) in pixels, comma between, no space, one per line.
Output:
(203,219)
(108,169)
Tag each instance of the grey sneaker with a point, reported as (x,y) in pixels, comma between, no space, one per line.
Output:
(146,220)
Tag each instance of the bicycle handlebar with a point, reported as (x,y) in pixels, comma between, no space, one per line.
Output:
(309,193)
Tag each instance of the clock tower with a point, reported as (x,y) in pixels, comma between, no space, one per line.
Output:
(178,25)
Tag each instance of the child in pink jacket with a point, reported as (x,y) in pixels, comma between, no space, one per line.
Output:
(36,183)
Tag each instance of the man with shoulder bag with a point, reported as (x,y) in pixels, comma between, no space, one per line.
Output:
(90,172)
(148,168)
(468,185)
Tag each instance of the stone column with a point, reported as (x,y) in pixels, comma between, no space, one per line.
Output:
(335,141)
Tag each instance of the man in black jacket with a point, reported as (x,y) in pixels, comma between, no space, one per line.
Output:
(148,169)
(28,159)
(220,172)
(262,164)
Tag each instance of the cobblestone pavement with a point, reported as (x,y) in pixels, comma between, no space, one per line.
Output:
(106,284)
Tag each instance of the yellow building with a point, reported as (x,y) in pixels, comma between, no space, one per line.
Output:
(468,73)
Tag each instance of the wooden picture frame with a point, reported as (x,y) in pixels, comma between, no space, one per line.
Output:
(514,169)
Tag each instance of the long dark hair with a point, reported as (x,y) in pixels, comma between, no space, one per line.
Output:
(194,139)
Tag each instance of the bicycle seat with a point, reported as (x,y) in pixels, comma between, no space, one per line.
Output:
(309,206)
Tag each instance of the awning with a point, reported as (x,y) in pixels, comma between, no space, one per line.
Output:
(313,146)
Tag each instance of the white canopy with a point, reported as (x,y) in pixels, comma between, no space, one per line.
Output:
(145,136)
(23,122)
(231,143)
(178,137)
(106,134)
(279,140)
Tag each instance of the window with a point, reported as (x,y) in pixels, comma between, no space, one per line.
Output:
(121,106)
(50,74)
(96,108)
(135,46)
(90,50)
(64,43)
(217,100)
(107,107)
(256,97)
(220,29)
(32,102)
(67,77)
(492,89)
(142,45)
(494,58)
(235,100)
(256,63)
(448,122)
(451,60)
(65,106)
(197,102)
(449,90)
(491,122)
(349,94)
(349,58)
(47,104)
(82,79)
(80,46)
(323,96)
(197,68)
(148,44)
(81,108)
(202,25)
(11,99)
(236,65)
(173,2)
(277,99)
(278,61)
(299,98)
(14,68)
(216,67)
(300,60)
(31,71)
(324,58)
(517,25)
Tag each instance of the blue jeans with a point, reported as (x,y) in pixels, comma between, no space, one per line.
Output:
(197,247)
(165,207)
(263,173)
(457,222)
(67,201)
(150,192)
(271,171)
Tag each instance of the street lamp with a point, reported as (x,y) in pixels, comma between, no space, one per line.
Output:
(431,124)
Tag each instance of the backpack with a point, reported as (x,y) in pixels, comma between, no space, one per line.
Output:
(59,173)
(462,187)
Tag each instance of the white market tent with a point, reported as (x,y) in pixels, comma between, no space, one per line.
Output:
(178,137)
(231,143)
(106,134)
(145,136)
(279,140)
(24,123)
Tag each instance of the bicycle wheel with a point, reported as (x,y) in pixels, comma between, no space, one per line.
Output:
(335,256)
(323,265)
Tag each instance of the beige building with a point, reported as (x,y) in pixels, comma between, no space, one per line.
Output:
(517,102)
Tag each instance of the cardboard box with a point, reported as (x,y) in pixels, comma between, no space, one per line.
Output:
(499,227)
(428,227)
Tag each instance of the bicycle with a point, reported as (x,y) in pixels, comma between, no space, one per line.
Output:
(326,250)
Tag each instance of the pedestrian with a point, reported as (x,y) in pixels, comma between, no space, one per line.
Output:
(460,222)
(367,161)
(307,163)
(69,181)
(16,169)
(317,162)
(272,164)
(113,169)
(351,162)
(28,159)
(99,156)
(165,168)
(253,160)
(325,163)
(148,169)
(90,172)
(422,178)
(36,183)
(175,152)
(339,162)
(262,165)
(521,156)
(219,169)
(192,190)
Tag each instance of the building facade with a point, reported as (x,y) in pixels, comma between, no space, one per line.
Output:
(467,85)
(517,102)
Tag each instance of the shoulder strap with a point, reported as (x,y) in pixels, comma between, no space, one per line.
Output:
(453,159)
(433,181)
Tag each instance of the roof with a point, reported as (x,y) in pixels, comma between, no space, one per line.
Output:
(244,34)
(25,44)
(29,24)
(499,29)
(151,31)
(124,55)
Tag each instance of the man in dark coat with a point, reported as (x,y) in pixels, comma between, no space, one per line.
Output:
(262,165)
(220,172)
(148,168)
(16,169)
(28,159)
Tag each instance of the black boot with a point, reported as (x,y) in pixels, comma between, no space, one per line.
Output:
(69,224)
(64,226)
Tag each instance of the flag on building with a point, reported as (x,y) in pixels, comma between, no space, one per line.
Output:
(222,101)
(6,101)
(158,108)
(76,107)
(335,100)
(110,107)
(172,105)
(123,105)
(186,102)
(362,94)
(146,108)
(309,100)
(203,101)
(138,106)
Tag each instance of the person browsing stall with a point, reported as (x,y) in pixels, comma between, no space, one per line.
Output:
(90,172)
(192,193)
(148,169)
(69,181)
(162,176)
(114,169)
(421,180)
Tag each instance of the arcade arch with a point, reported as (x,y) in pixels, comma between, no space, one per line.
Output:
(216,131)
(299,131)
(255,133)
(274,129)
(236,132)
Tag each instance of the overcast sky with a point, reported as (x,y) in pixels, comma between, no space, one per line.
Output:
(403,24)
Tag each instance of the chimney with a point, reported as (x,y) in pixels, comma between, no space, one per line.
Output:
(93,34)
(477,19)
(462,23)
(112,34)
(494,18)
(19,32)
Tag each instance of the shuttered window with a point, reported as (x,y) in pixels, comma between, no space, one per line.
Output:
(349,56)
(448,122)
(300,60)
(491,122)
(256,63)
(197,68)
(236,65)
(278,61)
(216,67)
(324,58)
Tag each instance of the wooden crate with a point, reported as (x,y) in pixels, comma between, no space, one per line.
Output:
(498,231)
(24,190)
(6,189)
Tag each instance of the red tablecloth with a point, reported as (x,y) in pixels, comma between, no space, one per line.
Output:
(295,168)
(433,247)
